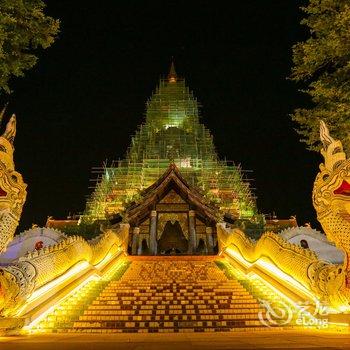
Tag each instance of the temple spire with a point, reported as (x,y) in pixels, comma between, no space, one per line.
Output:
(172,76)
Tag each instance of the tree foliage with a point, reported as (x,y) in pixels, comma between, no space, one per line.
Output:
(323,63)
(24,28)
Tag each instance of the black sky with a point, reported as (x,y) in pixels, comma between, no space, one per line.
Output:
(86,96)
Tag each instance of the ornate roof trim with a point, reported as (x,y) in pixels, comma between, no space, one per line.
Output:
(170,179)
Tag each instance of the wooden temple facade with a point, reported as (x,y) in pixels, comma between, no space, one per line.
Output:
(171,218)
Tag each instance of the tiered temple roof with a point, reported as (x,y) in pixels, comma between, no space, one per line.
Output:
(171,133)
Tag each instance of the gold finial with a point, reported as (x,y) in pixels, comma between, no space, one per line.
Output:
(172,76)
(332,150)
(10,131)
(325,137)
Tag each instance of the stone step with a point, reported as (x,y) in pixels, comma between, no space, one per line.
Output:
(136,306)
(135,311)
(153,280)
(138,287)
(174,313)
(162,296)
(173,289)
(166,324)
(158,318)
(199,299)
(233,305)
(173,301)
(170,316)
(166,330)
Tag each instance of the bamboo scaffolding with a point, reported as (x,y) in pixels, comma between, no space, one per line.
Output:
(172,132)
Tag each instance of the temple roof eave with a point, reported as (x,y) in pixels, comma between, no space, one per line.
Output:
(171,179)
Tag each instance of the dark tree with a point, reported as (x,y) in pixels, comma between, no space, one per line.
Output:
(24,28)
(322,62)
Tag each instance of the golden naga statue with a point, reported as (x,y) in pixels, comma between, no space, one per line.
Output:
(331,196)
(12,188)
(36,269)
(330,283)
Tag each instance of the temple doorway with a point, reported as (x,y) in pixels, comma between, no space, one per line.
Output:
(172,240)
(201,249)
(144,248)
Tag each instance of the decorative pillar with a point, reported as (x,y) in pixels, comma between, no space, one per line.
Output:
(135,240)
(210,242)
(153,233)
(192,231)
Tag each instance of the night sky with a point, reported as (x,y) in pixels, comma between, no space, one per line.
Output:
(86,96)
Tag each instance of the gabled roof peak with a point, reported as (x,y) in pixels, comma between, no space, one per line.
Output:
(170,180)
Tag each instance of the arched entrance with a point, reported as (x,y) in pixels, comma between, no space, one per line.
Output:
(172,240)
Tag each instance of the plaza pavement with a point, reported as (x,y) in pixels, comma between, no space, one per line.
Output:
(195,341)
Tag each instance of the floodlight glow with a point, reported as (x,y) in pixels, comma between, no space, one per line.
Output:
(81,266)
(39,318)
(272,269)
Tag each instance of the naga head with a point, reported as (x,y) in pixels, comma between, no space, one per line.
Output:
(331,192)
(12,188)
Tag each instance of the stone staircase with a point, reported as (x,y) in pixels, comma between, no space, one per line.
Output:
(161,294)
